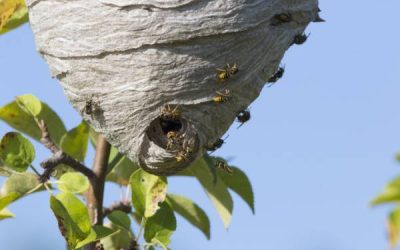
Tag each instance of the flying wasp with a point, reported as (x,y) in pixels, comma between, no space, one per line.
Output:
(300,39)
(227,72)
(222,96)
(243,117)
(277,75)
(223,166)
(169,113)
(281,18)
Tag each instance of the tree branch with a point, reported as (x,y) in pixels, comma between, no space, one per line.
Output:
(58,157)
(95,195)
(123,206)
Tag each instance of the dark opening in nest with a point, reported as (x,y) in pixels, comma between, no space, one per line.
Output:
(170,125)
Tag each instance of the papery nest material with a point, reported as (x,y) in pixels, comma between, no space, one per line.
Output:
(130,59)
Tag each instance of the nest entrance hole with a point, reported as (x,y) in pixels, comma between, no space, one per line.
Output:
(159,128)
(170,125)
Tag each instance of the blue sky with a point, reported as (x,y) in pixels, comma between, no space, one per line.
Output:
(319,146)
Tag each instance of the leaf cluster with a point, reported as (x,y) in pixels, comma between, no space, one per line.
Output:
(154,209)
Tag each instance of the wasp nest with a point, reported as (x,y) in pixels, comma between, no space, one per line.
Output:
(162,80)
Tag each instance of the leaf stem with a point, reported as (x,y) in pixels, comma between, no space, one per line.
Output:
(48,189)
(142,224)
(34,169)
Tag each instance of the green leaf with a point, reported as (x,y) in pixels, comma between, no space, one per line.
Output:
(4,171)
(398,157)
(216,191)
(122,170)
(16,151)
(210,162)
(120,219)
(136,217)
(6,199)
(20,17)
(75,142)
(20,183)
(72,217)
(147,191)
(240,184)
(114,158)
(120,240)
(159,228)
(13,13)
(73,182)
(17,118)
(191,212)
(391,193)
(394,227)
(97,233)
(24,122)
(30,104)
(6,214)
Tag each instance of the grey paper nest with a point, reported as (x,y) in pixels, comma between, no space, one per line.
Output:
(144,72)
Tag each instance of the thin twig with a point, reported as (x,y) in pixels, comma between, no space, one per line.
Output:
(34,169)
(58,157)
(121,206)
(46,139)
(61,157)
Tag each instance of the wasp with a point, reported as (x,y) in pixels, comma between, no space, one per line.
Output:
(174,140)
(172,134)
(277,75)
(216,145)
(222,96)
(243,116)
(223,166)
(169,113)
(183,154)
(90,106)
(281,18)
(227,72)
(300,39)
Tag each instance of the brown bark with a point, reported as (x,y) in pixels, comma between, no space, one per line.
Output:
(95,194)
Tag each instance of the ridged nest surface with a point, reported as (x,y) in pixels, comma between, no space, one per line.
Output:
(163,80)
